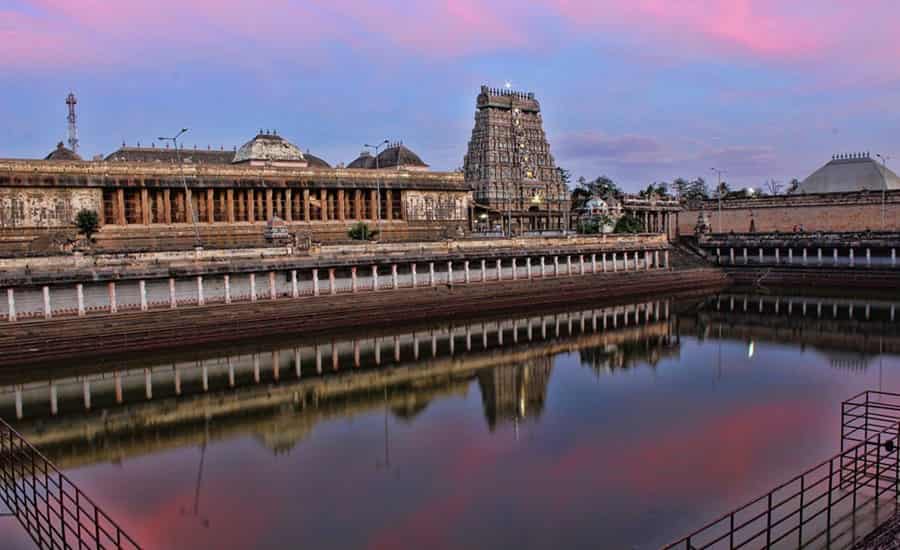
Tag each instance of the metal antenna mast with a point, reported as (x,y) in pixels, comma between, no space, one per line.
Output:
(73,128)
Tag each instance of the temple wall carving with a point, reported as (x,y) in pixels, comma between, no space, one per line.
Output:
(44,208)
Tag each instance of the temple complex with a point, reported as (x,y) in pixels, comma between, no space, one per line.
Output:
(150,198)
(517,184)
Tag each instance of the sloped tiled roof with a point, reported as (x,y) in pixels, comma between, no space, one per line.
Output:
(164,155)
(847,173)
(62,153)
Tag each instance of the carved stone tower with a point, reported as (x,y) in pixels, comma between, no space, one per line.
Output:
(509,164)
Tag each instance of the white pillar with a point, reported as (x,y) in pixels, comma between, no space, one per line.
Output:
(295,289)
(483,270)
(228,289)
(315,281)
(718,258)
(86,388)
(177,380)
(615,265)
(79,291)
(256,368)
(835,256)
(603,261)
(667,265)
(868,257)
(142,287)
(528,267)
(556,266)
(374,277)
(298,362)
(394,282)
(54,404)
(777,256)
(173,299)
(148,383)
(273,294)
(804,256)
(113,306)
(48,312)
(731,254)
(543,267)
(515,270)
(790,256)
(353,284)
(332,287)
(581,264)
(593,263)
(431,273)
(568,265)
(117,382)
(761,256)
(466,267)
(499,269)
(412,269)
(19,413)
(852,258)
(200,300)
(819,254)
(449,272)
(253,287)
(746,258)
(893,257)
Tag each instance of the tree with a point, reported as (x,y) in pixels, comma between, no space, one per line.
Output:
(565,176)
(361,232)
(793,186)
(773,186)
(629,224)
(659,189)
(693,190)
(601,188)
(87,222)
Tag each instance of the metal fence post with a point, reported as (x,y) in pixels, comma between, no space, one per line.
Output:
(830,489)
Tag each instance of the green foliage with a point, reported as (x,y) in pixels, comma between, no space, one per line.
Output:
(589,227)
(601,188)
(87,222)
(691,190)
(629,224)
(565,176)
(793,186)
(658,189)
(361,232)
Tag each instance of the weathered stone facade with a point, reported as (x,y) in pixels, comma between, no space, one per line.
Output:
(859,211)
(510,166)
(147,206)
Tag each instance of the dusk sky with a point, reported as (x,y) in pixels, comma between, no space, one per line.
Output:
(639,90)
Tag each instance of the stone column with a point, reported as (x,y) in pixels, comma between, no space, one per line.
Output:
(113,307)
(835,257)
(173,298)
(200,300)
(341,215)
(543,268)
(556,266)
(528,267)
(868,257)
(295,288)
(761,256)
(79,291)
(253,287)
(353,286)
(48,311)
(466,268)
(819,254)
(167,206)
(852,258)
(227,289)
(731,254)
(656,258)
(603,262)
(893,257)
(315,281)
(211,205)
(394,282)
(306,215)
(777,256)
(120,207)
(450,273)
(323,201)
(373,205)
(374,277)
(413,275)
(499,269)
(389,205)
(790,256)
(273,293)
(483,271)
(250,198)
(515,270)
(581,264)
(142,287)
(667,265)
(332,287)
(229,206)
(804,256)
(568,265)
(615,263)
(145,206)
(358,204)
(431,281)
(270,206)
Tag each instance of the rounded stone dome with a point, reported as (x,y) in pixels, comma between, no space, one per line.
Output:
(399,155)
(269,148)
(62,153)
(365,160)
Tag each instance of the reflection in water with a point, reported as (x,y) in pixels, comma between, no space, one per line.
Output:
(435,435)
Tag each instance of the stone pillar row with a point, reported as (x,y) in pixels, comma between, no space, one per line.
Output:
(573,265)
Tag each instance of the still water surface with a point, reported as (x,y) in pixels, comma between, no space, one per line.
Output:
(561,435)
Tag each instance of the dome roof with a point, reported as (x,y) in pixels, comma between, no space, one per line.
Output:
(314,161)
(62,153)
(364,160)
(399,155)
(269,148)
(848,173)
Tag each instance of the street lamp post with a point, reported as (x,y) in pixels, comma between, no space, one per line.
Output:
(884,160)
(719,193)
(378,182)
(190,203)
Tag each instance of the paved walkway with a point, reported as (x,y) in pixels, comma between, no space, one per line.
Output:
(886,537)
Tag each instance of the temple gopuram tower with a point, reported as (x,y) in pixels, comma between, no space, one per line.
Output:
(508,163)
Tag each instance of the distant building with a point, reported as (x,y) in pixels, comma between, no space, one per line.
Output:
(397,156)
(849,173)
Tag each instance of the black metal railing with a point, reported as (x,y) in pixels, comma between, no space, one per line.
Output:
(822,506)
(54,512)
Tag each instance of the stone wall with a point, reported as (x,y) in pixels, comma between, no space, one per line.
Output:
(44,208)
(436,206)
(835,212)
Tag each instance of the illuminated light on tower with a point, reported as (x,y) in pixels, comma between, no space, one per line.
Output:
(73,128)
